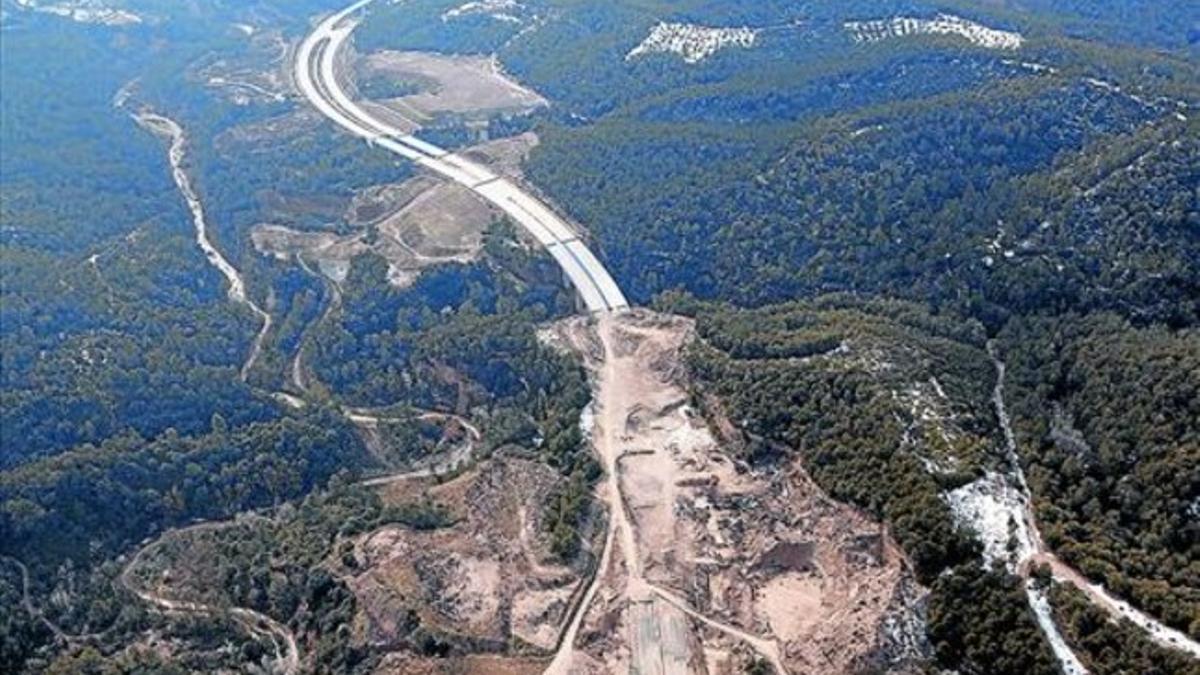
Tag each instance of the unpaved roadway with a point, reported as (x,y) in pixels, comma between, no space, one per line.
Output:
(287,653)
(1061,571)
(168,128)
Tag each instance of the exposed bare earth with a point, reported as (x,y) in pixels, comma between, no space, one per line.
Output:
(419,222)
(434,222)
(451,84)
(474,664)
(256,75)
(503,155)
(482,584)
(452,452)
(710,565)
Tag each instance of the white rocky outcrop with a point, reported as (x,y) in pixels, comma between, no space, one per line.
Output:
(501,10)
(995,510)
(692,42)
(84,11)
(942,24)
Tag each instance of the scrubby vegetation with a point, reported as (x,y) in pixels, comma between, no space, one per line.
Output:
(1109,422)
(463,338)
(856,221)
(93,502)
(895,209)
(70,517)
(823,378)
(1108,647)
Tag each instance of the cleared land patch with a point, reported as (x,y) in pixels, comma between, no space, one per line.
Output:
(479,585)
(413,225)
(714,563)
(463,86)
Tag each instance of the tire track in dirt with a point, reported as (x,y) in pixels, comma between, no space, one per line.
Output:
(287,652)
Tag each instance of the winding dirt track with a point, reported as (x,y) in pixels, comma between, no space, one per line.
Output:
(299,374)
(33,611)
(287,652)
(164,126)
(1038,603)
(1039,553)
(454,460)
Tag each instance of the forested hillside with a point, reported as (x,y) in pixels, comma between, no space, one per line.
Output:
(889,408)
(1109,419)
(890,222)
(885,202)
(125,415)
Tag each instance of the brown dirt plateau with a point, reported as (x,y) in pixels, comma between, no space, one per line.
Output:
(483,584)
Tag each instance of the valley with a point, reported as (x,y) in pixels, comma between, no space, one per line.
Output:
(545,337)
(168,128)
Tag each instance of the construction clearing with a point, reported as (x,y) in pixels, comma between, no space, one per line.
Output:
(466,87)
(481,585)
(413,225)
(710,566)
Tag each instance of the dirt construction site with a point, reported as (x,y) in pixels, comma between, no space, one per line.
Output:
(464,86)
(480,585)
(702,564)
(693,561)
(709,566)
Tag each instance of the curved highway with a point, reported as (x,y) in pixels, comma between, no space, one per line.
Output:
(316,77)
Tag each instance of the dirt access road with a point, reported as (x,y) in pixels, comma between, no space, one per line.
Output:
(622,393)
(169,129)
(283,640)
(1035,552)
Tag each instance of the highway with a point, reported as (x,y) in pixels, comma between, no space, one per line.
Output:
(316,77)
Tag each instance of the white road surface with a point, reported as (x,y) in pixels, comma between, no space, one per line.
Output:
(316,76)
(1034,550)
